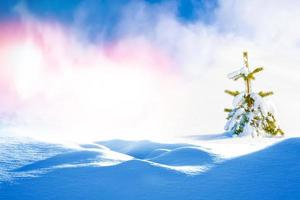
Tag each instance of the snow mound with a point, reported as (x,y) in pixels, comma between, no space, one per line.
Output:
(142,167)
(129,180)
(70,158)
(157,152)
(185,156)
(18,152)
(77,158)
(138,149)
(93,146)
(271,173)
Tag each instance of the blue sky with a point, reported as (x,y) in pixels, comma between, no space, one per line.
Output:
(104,15)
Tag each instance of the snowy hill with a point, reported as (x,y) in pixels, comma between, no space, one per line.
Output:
(184,156)
(119,169)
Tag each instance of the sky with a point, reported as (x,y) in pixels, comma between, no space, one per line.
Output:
(141,69)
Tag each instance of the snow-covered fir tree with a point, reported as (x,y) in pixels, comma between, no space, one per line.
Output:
(251,114)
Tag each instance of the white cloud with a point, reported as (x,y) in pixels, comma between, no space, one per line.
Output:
(111,99)
(206,52)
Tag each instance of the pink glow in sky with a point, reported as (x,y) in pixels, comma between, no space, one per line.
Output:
(33,54)
(49,77)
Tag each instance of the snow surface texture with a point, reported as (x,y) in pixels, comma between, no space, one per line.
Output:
(119,169)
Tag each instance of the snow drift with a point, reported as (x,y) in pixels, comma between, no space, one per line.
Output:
(272,173)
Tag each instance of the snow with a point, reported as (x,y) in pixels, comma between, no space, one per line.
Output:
(272,108)
(259,103)
(232,122)
(246,121)
(238,73)
(184,156)
(248,130)
(212,166)
(238,100)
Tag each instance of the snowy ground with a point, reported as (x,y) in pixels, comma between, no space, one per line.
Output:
(195,167)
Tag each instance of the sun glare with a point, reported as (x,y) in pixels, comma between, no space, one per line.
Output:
(26,62)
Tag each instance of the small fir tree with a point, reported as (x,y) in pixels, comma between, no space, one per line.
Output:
(251,114)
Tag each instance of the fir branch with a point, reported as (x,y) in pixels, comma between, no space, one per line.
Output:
(258,69)
(251,74)
(280,131)
(227,110)
(232,93)
(265,94)
(238,77)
